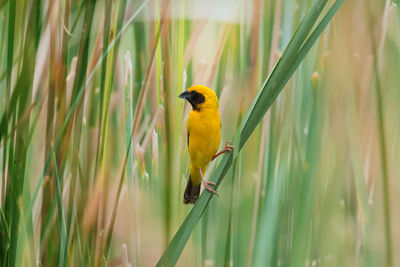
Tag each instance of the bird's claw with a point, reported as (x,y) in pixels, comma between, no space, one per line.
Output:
(227,148)
(208,187)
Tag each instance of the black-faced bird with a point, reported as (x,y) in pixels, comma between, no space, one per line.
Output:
(203,138)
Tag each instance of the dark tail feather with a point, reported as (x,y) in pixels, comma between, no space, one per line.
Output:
(191,193)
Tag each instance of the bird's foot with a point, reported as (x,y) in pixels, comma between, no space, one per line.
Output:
(227,148)
(208,187)
(207,184)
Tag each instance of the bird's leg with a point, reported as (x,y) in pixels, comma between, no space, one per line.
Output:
(227,148)
(207,184)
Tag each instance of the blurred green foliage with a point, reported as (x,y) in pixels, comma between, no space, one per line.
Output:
(93,156)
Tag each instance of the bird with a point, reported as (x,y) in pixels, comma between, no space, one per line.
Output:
(203,138)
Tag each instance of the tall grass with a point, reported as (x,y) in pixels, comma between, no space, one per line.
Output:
(93,150)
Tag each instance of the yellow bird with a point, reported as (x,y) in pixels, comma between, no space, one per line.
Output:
(203,137)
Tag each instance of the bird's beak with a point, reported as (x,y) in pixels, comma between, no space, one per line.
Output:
(185,95)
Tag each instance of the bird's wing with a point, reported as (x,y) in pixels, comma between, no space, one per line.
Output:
(188,134)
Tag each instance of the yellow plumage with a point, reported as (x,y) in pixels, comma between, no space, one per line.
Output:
(204,130)
(204,135)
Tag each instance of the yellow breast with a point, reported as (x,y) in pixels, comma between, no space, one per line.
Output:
(204,130)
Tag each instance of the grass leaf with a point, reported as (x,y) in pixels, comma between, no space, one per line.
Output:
(291,58)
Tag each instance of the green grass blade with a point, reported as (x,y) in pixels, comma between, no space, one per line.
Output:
(10,46)
(290,59)
(62,257)
(106,32)
(23,85)
(270,90)
(75,127)
(311,40)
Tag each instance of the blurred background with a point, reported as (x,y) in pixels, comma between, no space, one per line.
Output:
(93,155)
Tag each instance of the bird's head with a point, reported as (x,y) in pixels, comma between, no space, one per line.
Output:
(200,97)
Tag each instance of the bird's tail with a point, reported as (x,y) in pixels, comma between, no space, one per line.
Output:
(191,193)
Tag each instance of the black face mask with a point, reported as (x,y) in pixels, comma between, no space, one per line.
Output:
(194,98)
